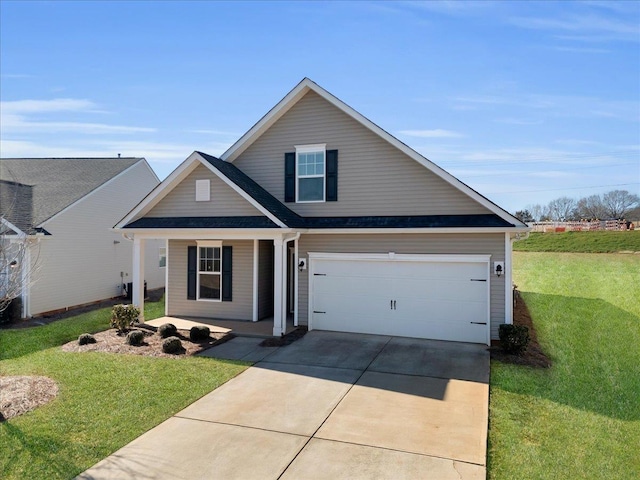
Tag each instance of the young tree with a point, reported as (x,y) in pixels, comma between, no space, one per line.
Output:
(524,216)
(19,249)
(618,203)
(591,207)
(562,209)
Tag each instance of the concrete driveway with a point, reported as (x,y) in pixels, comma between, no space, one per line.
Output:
(331,405)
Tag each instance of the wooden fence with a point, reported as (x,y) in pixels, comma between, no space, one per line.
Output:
(582,226)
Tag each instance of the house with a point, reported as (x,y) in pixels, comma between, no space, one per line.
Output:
(319,215)
(64,210)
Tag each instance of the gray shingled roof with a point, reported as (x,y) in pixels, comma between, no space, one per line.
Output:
(52,184)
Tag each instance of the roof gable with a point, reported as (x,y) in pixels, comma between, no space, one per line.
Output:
(259,198)
(57,183)
(306,85)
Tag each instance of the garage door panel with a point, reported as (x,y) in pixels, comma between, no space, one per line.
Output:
(451,290)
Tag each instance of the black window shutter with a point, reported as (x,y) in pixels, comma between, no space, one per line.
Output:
(332,176)
(290,177)
(227,269)
(192,271)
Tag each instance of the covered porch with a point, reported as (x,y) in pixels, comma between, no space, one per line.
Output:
(254,280)
(240,328)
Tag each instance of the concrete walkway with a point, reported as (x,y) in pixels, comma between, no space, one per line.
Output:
(330,405)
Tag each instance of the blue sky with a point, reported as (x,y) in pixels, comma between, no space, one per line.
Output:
(523,101)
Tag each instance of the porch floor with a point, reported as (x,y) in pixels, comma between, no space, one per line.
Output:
(241,328)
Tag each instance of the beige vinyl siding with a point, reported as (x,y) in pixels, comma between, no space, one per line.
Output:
(265,279)
(374,178)
(240,308)
(485,244)
(181,201)
(82,260)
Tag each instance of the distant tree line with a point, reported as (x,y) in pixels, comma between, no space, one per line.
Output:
(616,204)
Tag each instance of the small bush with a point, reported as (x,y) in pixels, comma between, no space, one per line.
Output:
(123,316)
(167,330)
(199,332)
(135,338)
(514,338)
(13,311)
(86,338)
(172,345)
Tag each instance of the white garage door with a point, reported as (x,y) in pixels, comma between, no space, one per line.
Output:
(423,296)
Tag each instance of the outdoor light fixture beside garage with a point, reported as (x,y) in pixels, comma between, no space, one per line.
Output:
(498,268)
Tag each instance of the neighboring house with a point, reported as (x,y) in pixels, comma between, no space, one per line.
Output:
(65,209)
(318,214)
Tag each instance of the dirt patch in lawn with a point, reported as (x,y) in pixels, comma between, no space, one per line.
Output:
(110,341)
(534,356)
(21,394)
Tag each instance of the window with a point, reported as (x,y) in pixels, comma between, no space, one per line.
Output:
(162,254)
(209,272)
(310,173)
(203,190)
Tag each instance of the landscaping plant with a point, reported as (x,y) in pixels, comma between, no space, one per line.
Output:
(199,332)
(167,330)
(135,338)
(124,316)
(86,338)
(514,339)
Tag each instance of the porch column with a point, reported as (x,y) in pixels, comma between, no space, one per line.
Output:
(256,259)
(137,297)
(278,290)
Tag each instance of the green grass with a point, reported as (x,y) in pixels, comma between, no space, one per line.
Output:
(105,400)
(581,417)
(581,242)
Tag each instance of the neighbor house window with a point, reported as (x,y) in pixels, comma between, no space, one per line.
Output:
(209,271)
(310,173)
(162,254)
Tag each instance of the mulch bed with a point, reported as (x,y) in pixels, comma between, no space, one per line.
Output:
(21,394)
(534,356)
(110,341)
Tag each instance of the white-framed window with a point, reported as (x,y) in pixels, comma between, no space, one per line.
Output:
(203,190)
(209,281)
(310,173)
(162,257)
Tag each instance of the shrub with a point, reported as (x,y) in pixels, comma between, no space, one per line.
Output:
(13,311)
(172,345)
(123,316)
(135,338)
(514,338)
(167,330)
(199,332)
(86,338)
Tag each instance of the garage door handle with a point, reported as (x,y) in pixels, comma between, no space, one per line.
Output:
(479,323)
(478,279)
(319,274)
(316,311)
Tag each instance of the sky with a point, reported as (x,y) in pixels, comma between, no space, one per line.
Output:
(522,101)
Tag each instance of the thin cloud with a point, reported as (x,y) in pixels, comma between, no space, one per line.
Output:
(16,116)
(436,133)
(22,107)
(584,26)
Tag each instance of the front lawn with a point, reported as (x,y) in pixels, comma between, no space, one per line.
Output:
(105,400)
(581,417)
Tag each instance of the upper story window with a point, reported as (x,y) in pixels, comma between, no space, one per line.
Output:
(310,173)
